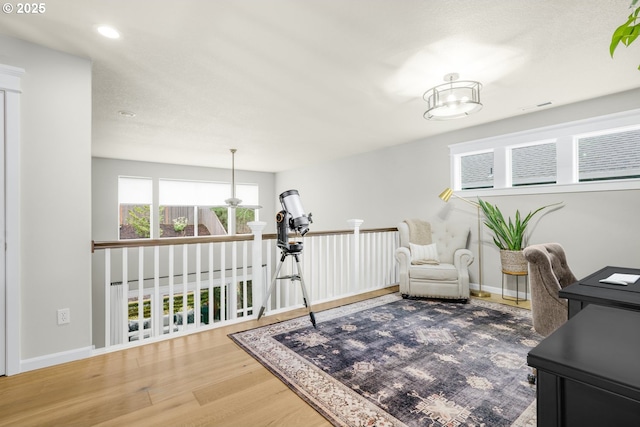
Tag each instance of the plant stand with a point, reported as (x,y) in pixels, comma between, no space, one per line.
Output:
(517,299)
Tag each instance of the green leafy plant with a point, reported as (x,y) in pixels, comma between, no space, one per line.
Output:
(139,220)
(508,235)
(180,223)
(628,32)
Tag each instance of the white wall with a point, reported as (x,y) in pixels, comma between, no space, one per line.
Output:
(55,191)
(386,186)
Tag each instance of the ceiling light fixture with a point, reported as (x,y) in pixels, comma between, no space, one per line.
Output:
(108,32)
(452,100)
(233,201)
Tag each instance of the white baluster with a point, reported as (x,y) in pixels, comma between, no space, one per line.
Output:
(258,288)
(223,283)
(125,296)
(354,224)
(140,293)
(245,275)
(211,290)
(171,290)
(157,311)
(185,290)
(233,286)
(196,296)
(107,297)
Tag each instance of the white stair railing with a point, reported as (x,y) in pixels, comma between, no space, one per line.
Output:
(155,289)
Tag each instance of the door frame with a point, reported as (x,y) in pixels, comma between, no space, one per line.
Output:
(10,83)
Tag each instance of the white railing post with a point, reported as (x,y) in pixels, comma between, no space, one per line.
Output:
(257,287)
(354,224)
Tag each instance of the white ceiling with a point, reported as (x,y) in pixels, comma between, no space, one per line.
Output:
(294,82)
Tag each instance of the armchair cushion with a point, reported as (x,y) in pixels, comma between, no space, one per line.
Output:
(438,272)
(424,254)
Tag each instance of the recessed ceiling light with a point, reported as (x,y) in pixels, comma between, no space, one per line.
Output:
(125,113)
(108,32)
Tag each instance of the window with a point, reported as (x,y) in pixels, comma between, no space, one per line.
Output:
(134,204)
(186,208)
(197,208)
(181,207)
(533,164)
(594,154)
(477,170)
(609,156)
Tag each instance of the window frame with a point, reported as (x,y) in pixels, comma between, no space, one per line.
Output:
(566,137)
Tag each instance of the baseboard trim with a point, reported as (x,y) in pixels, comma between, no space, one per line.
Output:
(55,359)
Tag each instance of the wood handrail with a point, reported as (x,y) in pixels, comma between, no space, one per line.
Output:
(168,241)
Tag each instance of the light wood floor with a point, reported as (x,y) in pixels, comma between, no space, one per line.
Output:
(202,379)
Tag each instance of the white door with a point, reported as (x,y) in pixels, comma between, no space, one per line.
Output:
(3,294)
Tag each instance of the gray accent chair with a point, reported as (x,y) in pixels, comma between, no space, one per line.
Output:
(548,273)
(447,279)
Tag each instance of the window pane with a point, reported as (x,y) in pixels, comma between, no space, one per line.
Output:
(248,193)
(609,156)
(176,221)
(135,221)
(244,216)
(477,171)
(534,164)
(134,204)
(135,190)
(208,222)
(221,216)
(192,193)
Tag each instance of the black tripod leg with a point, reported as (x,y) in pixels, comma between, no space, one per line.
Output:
(305,296)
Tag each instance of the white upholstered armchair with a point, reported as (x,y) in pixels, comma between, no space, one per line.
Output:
(433,259)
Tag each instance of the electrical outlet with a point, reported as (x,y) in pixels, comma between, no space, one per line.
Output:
(64,316)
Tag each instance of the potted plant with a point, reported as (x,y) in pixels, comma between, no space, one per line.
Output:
(509,235)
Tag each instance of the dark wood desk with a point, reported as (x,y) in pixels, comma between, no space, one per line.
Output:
(590,291)
(588,372)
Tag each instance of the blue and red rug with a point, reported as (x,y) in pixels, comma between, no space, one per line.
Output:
(390,361)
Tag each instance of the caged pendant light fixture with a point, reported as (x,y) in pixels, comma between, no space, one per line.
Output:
(452,100)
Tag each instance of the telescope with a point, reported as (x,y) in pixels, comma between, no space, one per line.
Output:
(290,218)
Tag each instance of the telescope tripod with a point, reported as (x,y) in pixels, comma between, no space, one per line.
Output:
(293,277)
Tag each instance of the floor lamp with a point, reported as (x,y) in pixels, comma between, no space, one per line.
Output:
(445,196)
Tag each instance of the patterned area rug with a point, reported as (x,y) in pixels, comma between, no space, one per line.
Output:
(390,361)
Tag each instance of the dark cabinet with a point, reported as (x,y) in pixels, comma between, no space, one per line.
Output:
(589,370)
